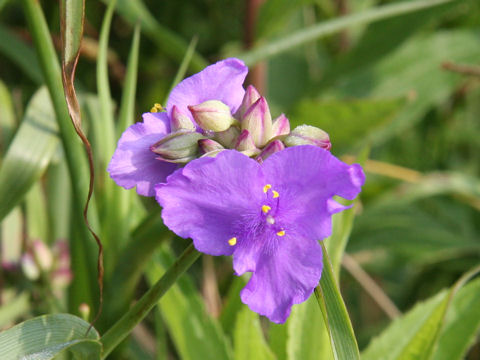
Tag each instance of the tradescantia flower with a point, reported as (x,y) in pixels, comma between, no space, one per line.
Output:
(268,215)
(146,153)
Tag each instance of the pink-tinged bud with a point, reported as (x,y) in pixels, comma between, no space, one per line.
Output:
(84,311)
(227,138)
(30,269)
(245,144)
(212,115)
(258,122)
(280,126)
(42,255)
(308,135)
(178,147)
(250,97)
(208,145)
(180,121)
(270,149)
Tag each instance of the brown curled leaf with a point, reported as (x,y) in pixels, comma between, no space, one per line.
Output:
(72,20)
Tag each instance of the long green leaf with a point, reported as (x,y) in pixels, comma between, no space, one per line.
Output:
(182,69)
(415,335)
(248,338)
(462,324)
(29,152)
(47,336)
(308,338)
(103,86)
(423,343)
(342,337)
(127,105)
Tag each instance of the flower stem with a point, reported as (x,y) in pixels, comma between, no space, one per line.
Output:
(122,328)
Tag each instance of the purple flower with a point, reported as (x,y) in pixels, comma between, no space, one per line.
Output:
(269,216)
(133,163)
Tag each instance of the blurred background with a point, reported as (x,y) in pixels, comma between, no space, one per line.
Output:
(404,89)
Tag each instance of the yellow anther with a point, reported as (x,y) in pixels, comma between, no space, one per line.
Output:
(281,233)
(156,108)
(275,194)
(232,241)
(266,188)
(266,208)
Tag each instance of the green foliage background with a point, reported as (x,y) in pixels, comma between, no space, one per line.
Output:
(378,84)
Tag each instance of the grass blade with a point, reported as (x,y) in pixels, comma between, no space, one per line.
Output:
(182,70)
(29,152)
(334,26)
(336,317)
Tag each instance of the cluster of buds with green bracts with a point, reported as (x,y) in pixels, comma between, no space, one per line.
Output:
(249,130)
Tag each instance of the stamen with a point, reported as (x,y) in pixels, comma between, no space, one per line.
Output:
(156,108)
(232,241)
(275,194)
(266,208)
(270,220)
(266,188)
(281,233)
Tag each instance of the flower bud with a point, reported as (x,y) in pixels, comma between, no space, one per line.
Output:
(207,145)
(84,311)
(245,144)
(30,269)
(308,135)
(227,138)
(258,121)
(180,121)
(212,115)
(270,149)
(280,126)
(251,95)
(178,147)
(42,255)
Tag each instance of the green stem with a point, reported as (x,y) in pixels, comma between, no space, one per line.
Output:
(135,315)
(334,26)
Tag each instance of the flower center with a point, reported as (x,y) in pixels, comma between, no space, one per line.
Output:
(268,211)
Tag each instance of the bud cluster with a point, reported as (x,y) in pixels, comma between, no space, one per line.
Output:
(249,130)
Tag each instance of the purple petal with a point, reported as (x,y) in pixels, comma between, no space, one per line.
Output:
(284,276)
(220,81)
(307,177)
(133,164)
(211,199)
